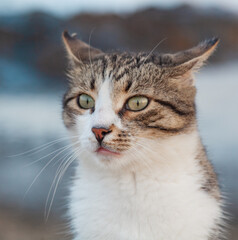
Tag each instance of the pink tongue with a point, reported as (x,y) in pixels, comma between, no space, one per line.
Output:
(106,151)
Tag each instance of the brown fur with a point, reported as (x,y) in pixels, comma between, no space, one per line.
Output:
(167,81)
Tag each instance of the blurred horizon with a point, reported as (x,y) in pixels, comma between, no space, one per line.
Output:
(64,8)
(29,42)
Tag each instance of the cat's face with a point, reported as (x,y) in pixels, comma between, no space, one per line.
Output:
(121,106)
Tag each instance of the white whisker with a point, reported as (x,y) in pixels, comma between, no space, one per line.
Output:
(153,49)
(47,164)
(38,160)
(42,147)
(60,174)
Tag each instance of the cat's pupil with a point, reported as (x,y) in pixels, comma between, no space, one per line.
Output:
(87,101)
(138,103)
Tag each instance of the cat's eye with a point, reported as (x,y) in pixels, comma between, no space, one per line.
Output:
(137,103)
(85,101)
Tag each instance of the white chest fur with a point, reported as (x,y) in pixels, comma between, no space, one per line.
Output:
(148,205)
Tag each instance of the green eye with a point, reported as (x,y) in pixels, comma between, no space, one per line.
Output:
(85,101)
(137,103)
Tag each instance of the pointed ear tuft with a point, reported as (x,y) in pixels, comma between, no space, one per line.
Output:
(210,44)
(194,58)
(203,51)
(78,51)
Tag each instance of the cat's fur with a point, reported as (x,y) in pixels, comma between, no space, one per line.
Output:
(162,186)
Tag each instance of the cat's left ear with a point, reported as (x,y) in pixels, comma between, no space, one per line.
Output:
(77,50)
(191,60)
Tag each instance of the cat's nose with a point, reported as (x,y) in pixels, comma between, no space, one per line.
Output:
(100,133)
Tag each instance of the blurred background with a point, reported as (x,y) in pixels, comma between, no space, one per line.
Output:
(33,142)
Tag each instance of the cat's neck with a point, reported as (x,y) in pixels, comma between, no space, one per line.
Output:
(147,200)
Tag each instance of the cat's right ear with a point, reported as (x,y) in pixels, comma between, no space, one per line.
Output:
(77,50)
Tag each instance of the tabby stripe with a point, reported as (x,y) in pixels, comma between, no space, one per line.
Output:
(140,63)
(67,100)
(149,60)
(147,115)
(135,65)
(172,107)
(104,62)
(128,85)
(160,60)
(126,71)
(130,61)
(92,83)
(114,58)
(173,130)
(161,74)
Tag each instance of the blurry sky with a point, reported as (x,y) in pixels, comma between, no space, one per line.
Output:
(62,8)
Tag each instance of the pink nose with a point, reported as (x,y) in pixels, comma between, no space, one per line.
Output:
(100,133)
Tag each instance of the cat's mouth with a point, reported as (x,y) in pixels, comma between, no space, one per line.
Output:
(106,152)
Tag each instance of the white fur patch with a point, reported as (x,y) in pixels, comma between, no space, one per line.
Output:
(104,115)
(161,200)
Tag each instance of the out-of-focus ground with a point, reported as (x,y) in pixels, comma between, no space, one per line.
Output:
(32,83)
(15,225)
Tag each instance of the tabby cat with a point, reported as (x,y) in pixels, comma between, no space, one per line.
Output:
(142,172)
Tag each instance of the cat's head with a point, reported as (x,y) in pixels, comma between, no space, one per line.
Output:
(122,106)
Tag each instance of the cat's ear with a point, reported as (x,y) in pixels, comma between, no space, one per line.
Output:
(191,60)
(77,50)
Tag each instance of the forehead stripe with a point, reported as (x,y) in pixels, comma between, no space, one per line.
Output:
(129,83)
(66,100)
(104,62)
(126,71)
(92,84)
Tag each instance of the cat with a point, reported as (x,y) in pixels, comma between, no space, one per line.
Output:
(142,172)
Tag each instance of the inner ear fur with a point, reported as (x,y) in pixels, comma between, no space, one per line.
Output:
(77,50)
(192,59)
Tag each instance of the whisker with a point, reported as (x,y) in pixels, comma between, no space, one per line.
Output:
(60,174)
(144,147)
(46,165)
(165,159)
(55,178)
(63,157)
(67,155)
(62,161)
(42,147)
(161,41)
(142,157)
(38,160)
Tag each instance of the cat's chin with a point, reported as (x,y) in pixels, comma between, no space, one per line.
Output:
(108,158)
